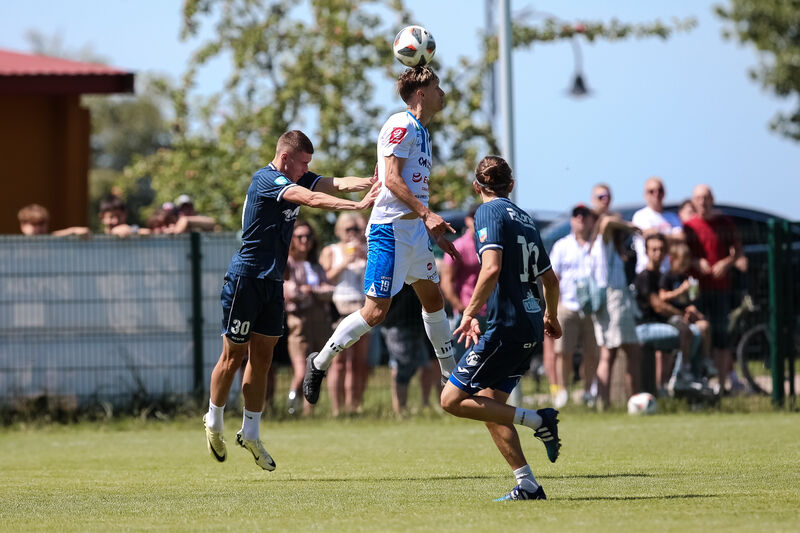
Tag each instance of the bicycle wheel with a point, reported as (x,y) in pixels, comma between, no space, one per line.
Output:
(753,356)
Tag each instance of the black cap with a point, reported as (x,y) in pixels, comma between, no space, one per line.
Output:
(581,209)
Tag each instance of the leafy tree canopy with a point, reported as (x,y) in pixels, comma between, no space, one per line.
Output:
(773,27)
(316,65)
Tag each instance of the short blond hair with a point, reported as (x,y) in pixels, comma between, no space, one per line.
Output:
(294,141)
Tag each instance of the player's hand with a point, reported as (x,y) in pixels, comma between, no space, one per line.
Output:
(369,199)
(374,177)
(468,331)
(448,248)
(552,328)
(436,225)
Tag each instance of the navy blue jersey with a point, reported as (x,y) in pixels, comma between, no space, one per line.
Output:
(512,306)
(267,224)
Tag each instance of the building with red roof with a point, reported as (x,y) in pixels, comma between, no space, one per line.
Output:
(44,134)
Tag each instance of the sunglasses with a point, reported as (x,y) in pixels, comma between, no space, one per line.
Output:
(659,190)
(353,229)
(303,237)
(603,196)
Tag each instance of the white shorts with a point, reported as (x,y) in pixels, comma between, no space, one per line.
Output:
(397,252)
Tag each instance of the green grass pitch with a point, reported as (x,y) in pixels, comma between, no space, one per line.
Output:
(671,472)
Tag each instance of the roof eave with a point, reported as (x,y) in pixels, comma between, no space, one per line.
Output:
(67,84)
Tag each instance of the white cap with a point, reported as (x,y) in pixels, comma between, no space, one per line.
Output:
(183,199)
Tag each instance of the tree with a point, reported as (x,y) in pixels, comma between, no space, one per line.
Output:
(773,27)
(315,65)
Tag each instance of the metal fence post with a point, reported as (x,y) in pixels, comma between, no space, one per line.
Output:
(777,303)
(790,317)
(195,257)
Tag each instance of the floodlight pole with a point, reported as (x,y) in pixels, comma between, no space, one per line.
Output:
(506,87)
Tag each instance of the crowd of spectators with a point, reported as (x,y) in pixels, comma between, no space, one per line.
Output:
(658,284)
(170,218)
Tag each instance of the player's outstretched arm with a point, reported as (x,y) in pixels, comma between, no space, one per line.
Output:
(345,184)
(435,224)
(552,291)
(302,196)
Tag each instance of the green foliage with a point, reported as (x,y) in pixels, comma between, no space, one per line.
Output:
(773,27)
(318,64)
(553,29)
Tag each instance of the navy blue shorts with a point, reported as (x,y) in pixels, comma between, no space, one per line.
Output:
(251,305)
(496,362)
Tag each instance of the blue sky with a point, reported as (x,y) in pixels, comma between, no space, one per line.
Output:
(683,109)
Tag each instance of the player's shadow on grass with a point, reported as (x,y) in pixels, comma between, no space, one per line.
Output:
(597,476)
(625,498)
(389,478)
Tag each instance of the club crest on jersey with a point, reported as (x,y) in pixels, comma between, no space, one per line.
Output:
(396,135)
(483,234)
(281,180)
(372,291)
(473,359)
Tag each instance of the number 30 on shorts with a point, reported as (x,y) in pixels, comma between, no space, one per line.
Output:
(238,327)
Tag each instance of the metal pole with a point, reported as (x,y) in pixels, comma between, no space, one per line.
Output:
(791,309)
(195,258)
(777,291)
(492,78)
(506,86)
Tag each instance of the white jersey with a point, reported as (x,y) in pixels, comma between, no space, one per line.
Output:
(404,137)
(571,261)
(647,218)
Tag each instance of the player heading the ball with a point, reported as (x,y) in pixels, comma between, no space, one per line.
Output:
(400,231)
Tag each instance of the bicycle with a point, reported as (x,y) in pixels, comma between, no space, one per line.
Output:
(753,341)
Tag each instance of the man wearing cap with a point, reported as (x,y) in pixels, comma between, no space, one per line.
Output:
(188,219)
(185,205)
(571,262)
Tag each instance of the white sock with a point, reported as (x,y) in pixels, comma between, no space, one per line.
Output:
(250,422)
(214,418)
(350,329)
(527,418)
(441,338)
(525,478)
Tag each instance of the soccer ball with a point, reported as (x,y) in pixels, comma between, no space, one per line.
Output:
(643,403)
(414,46)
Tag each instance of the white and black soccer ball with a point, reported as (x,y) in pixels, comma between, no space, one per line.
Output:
(643,403)
(414,46)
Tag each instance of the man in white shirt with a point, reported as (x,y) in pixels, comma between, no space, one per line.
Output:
(400,230)
(652,219)
(571,261)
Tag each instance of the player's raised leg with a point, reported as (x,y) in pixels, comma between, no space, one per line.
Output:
(461,399)
(348,332)
(436,325)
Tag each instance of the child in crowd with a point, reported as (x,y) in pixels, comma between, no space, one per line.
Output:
(681,291)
